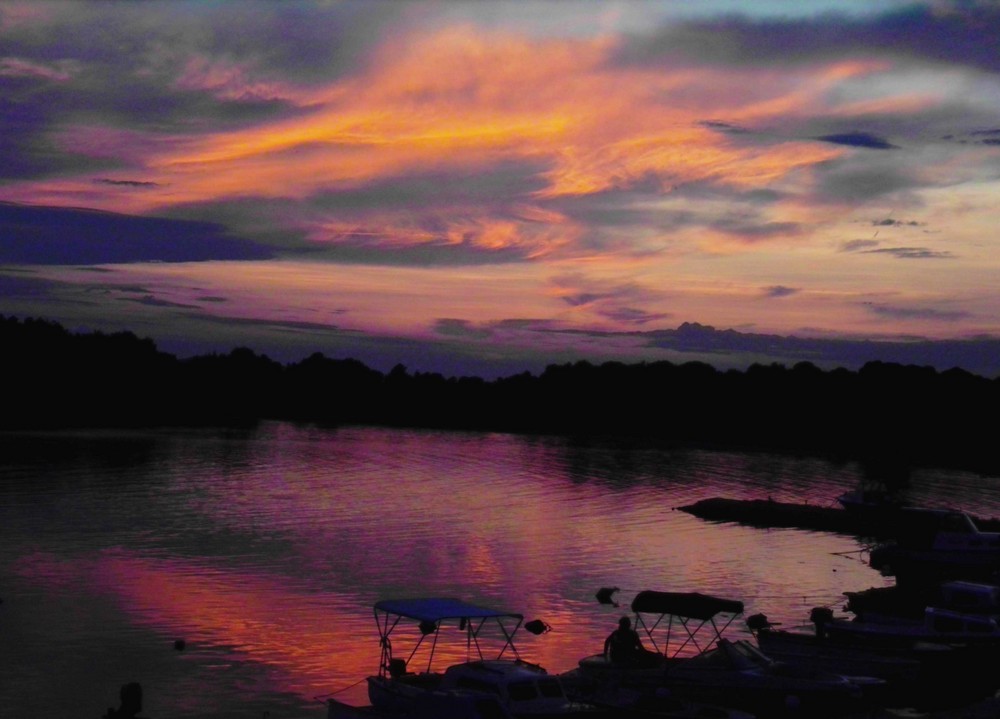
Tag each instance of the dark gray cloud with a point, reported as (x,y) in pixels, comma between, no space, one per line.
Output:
(376,247)
(979,355)
(151,301)
(37,235)
(725,127)
(127,289)
(126,183)
(633,315)
(751,229)
(859,139)
(461,328)
(842,181)
(263,322)
(22,286)
(895,223)
(858,245)
(651,204)
(158,67)
(522,323)
(498,187)
(978,137)
(620,302)
(458,328)
(958,33)
(406,219)
(911,253)
(585,298)
(914,313)
(778,291)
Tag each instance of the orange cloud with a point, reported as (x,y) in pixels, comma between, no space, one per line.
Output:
(462,98)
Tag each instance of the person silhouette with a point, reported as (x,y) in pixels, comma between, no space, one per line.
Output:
(623,645)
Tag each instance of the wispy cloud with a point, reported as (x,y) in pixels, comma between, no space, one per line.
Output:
(34,235)
(434,170)
(125,183)
(910,313)
(858,245)
(152,301)
(859,139)
(779,291)
(912,253)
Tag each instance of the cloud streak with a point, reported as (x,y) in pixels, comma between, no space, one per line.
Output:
(426,172)
(32,235)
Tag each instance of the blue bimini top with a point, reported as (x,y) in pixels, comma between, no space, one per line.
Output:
(436,609)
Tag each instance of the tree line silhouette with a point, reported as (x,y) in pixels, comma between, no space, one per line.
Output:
(889,413)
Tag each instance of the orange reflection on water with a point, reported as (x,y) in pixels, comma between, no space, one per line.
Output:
(310,644)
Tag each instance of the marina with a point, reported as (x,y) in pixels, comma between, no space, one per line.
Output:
(233,573)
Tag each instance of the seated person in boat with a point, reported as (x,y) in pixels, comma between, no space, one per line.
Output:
(623,646)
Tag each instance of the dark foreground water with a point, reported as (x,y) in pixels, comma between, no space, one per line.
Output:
(265,550)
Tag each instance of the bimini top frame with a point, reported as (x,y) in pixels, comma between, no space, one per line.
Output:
(430,613)
(690,610)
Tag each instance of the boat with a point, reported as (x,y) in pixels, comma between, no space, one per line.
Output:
(401,688)
(902,601)
(938,625)
(932,546)
(695,661)
(433,705)
(877,495)
(904,667)
(957,649)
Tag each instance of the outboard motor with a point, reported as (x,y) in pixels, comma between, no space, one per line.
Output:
(756,622)
(821,616)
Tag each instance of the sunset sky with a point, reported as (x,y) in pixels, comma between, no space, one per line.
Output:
(489,187)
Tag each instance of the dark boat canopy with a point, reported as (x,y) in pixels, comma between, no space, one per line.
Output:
(435,609)
(684,604)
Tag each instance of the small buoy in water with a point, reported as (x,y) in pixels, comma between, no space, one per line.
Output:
(537,626)
(179,645)
(604,595)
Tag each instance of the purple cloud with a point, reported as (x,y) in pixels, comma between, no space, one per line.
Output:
(915,313)
(37,235)
(858,139)
(778,291)
(912,253)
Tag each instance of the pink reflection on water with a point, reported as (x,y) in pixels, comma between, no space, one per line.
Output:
(308,643)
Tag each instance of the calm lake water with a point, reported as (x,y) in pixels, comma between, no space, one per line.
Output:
(264,550)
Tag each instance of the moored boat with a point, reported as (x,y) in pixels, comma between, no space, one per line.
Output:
(433,705)
(911,602)
(416,686)
(696,662)
(941,626)
(903,667)
(932,546)
(956,650)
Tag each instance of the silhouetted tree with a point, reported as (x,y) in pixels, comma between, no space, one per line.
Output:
(889,416)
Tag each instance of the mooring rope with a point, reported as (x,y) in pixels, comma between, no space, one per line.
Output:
(323,697)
